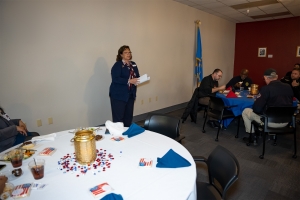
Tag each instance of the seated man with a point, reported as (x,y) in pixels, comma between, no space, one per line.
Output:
(12,131)
(243,77)
(209,86)
(293,81)
(287,77)
(275,93)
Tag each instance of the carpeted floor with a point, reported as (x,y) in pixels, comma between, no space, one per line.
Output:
(276,177)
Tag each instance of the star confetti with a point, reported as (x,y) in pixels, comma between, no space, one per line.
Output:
(68,164)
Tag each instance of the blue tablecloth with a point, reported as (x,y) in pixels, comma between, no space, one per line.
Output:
(240,102)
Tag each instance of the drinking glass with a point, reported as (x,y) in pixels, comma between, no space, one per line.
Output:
(37,168)
(16,157)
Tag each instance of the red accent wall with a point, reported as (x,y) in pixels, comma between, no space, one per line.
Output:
(281,38)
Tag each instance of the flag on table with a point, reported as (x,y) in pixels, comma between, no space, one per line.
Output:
(199,66)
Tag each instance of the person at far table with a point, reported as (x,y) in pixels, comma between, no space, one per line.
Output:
(209,86)
(243,77)
(293,81)
(275,93)
(13,131)
(287,77)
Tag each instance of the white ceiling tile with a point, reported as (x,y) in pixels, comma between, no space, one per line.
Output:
(200,2)
(284,16)
(225,10)
(283,9)
(189,3)
(271,6)
(290,2)
(213,5)
(221,8)
(233,2)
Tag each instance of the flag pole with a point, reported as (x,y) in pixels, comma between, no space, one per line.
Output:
(197,24)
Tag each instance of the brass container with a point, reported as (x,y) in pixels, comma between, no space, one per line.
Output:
(85,146)
(254,89)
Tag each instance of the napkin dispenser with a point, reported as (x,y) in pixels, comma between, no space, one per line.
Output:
(85,146)
(254,89)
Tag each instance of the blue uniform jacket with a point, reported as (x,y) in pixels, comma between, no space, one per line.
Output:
(119,84)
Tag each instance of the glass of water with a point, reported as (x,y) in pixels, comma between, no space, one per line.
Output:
(241,89)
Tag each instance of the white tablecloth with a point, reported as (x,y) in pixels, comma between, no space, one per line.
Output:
(124,175)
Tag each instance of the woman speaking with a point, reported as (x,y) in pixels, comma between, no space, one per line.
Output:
(125,77)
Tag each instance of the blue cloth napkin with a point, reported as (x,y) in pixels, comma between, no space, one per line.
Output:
(112,196)
(172,160)
(133,130)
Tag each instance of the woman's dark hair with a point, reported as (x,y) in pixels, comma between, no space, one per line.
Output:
(120,51)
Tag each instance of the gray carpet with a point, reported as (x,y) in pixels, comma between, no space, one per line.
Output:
(277,176)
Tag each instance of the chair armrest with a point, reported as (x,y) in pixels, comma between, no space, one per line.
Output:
(200,158)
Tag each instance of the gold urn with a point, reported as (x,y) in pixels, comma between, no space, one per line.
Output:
(85,146)
(254,89)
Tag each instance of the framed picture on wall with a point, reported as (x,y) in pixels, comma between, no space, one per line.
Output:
(298,51)
(262,52)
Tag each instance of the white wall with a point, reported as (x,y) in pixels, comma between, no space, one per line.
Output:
(56,56)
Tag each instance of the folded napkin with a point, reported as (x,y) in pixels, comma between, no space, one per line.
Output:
(133,130)
(231,95)
(49,137)
(172,160)
(229,88)
(112,196)
(115,129)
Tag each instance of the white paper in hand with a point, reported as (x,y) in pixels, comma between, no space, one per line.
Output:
(144,78)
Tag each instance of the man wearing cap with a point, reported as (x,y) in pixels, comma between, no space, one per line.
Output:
(240,81)
(275,93)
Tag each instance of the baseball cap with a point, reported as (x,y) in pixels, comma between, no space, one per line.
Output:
(270,72)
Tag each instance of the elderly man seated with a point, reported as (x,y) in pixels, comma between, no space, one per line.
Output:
(275,93)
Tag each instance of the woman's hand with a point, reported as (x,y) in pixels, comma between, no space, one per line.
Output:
(21,130)
(134,81)
(22,124)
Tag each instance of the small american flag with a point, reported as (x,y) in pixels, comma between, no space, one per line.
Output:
(21,190)
(47,151)
(145,162)
(100,189)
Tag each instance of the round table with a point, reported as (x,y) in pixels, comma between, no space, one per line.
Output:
(124,176)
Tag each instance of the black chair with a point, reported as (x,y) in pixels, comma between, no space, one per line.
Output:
(165,125)
(278,115)
(217,110)
(223,169)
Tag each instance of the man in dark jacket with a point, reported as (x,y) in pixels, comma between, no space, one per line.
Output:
(275,93)
(240,81)
(209,86)
(293,81)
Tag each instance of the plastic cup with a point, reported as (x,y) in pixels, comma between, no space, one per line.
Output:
(37,168)
(16,157)
(241,89)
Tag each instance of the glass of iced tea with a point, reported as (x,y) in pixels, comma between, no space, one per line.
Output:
(37,167)
(16,157)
